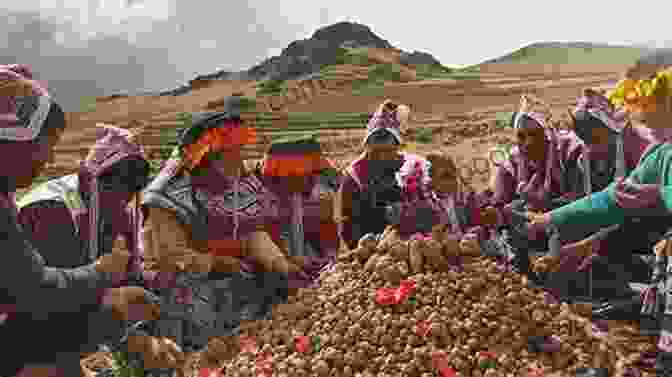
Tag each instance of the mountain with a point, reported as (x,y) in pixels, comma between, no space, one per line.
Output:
(303,58)
(572,53)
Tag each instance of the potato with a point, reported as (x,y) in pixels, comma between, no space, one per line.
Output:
(399,250)
(368,242)
(451,246)
(389,237)
(432,253)
(415,257)
(439,232)
(372,263)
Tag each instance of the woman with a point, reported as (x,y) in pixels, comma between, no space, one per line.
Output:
(62,210)
(647,93)
(37,299)
(303,183)
(370,195)
(613,149)
(459,207)
(85,213)
(613,145)
(204,213)
(541,173)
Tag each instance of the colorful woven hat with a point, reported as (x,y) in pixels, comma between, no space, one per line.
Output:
(214,131)
(295,156)
(649,79)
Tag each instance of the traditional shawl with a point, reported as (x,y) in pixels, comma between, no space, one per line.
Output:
(626,154)
(287,162)
(113,145)
(539,181)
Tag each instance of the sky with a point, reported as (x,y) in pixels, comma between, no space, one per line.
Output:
(98,47)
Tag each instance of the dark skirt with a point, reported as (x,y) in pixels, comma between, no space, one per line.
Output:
(58,340)
(611,273)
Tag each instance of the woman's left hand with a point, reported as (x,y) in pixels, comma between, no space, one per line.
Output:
(469,245)
(537,223)
(631,195)
(539,219)
(326,207)
(157,353)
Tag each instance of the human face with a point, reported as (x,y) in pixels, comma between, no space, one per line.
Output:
(382,152)
(43,155)
(661,118)
(444,176)
(600,136)
(592,131)
(531,140)
(228,163)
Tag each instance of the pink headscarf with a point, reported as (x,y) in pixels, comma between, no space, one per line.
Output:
(599,106)
(19,129)
(538,180)
(113,145)
(390,121)
(630,144)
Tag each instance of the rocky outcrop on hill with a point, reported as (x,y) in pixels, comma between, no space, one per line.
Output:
(307,56)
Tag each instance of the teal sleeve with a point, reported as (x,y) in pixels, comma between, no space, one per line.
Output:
(597,210)
(600,208)
(666,195)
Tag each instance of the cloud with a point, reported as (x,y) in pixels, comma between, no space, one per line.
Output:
(71,70)
(94,48)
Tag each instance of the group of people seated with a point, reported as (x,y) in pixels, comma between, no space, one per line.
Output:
(212,242)
(189,254)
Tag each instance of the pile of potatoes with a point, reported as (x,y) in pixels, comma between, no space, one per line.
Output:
(416,255)
(461,316)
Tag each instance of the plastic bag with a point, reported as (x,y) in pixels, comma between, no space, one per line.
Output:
(440,363)
(422,328)
(391,296)
(302,344)
(248,345)
(264,365)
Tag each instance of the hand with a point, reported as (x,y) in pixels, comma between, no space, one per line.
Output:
(157,353)
(132,304)
(547,263)
(17,88)
(661,247)
(187,262)
(226,264)
(452,245)
(538,219)
(489,216)
(630,195)
(326,206)
(537,224)
(469,245)
(582,248)
(115,262)
(299,261)
(221,349)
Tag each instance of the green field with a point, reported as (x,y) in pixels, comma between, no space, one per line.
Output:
(571,53)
